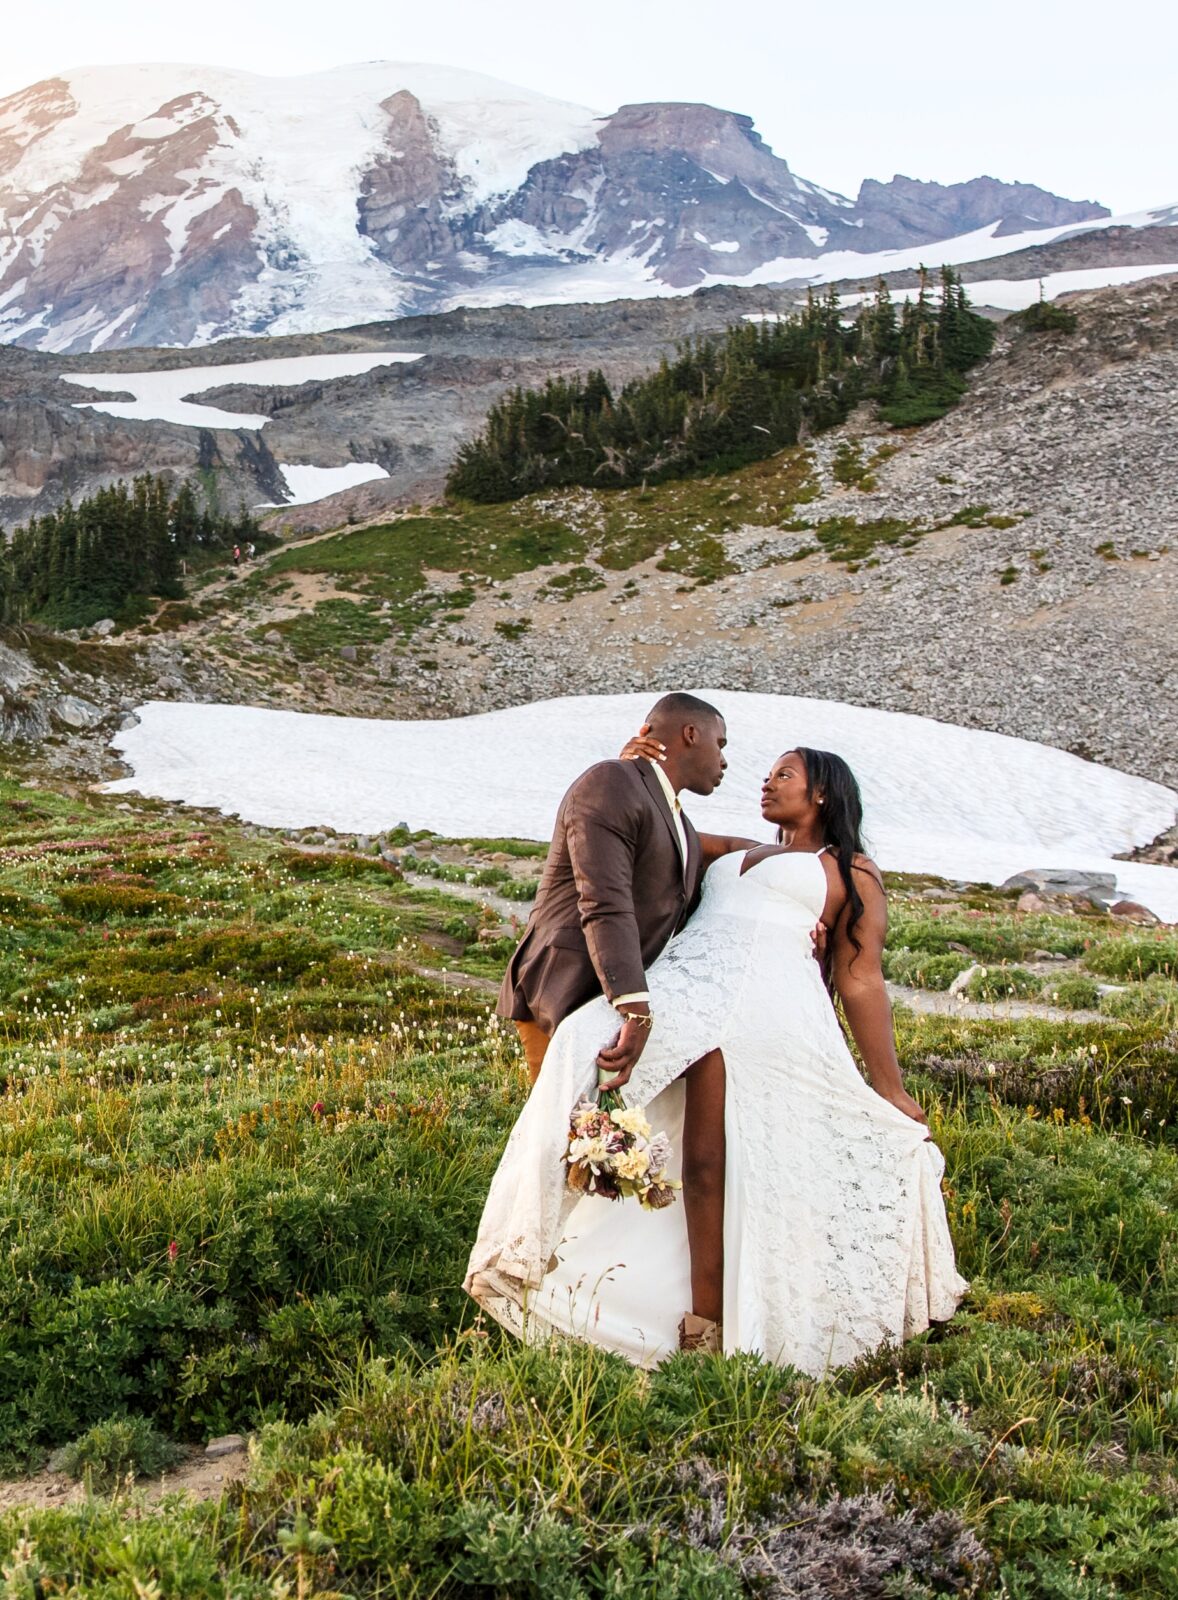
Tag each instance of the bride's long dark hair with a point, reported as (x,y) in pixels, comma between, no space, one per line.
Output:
(829,775)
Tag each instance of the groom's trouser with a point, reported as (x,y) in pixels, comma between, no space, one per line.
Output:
(535,1042)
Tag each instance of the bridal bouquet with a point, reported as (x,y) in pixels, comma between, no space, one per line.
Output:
(611,1152)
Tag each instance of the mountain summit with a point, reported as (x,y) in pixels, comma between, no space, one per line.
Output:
(181,204)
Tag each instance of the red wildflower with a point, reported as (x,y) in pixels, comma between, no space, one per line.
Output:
(173,1250)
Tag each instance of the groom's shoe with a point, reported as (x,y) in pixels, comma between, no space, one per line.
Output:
(701,1334)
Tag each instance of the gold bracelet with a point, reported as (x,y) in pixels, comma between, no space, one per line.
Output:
(644,1019)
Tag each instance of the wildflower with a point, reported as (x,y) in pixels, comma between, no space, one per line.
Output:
(173,1250)
(318,1108)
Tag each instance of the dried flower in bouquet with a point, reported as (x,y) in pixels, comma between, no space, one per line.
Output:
(612,1152)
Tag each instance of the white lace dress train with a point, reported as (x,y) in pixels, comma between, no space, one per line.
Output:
(835,1235)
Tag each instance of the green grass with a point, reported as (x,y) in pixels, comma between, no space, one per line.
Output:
(331,623)
(244,1146)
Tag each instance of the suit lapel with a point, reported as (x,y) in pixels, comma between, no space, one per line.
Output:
(694,854)
(655,790)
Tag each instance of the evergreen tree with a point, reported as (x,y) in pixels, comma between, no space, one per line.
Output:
(110,553)
(719,402)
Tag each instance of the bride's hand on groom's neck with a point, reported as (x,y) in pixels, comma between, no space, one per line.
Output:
(643,744)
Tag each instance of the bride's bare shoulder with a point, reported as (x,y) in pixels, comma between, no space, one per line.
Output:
(866,865)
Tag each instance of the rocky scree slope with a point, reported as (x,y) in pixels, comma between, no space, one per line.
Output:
(1012,566)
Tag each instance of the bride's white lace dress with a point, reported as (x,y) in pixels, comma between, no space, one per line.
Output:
(835,1235)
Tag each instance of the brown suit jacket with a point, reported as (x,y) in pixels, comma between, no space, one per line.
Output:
(614,890)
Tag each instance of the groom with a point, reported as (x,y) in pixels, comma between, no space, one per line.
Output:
(623,875)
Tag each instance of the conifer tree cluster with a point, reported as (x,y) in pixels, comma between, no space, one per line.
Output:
(719,404)
(95,559)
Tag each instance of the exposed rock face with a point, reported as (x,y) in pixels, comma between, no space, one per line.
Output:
(176,205)
(23,715)
(100,247)
(909,211)
(410,198)
(691,190)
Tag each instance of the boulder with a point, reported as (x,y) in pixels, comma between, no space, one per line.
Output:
(1132,911)
(1100,887)
(71,711)
(228,1444)
(101,629)
(347,652)
(962,981)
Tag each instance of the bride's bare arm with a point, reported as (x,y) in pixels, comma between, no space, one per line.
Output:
(859,983)
(712,845)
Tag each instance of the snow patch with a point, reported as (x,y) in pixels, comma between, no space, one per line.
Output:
(316,483)
(939,798)
(1016,294)
(165,396)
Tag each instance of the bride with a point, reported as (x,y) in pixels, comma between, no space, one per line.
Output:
(812,1226)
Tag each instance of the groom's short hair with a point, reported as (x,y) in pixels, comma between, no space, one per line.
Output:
(683,708)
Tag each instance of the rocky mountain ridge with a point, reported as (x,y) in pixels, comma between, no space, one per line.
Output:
(159,205)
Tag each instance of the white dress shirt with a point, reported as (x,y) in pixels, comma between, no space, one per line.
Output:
(681,836)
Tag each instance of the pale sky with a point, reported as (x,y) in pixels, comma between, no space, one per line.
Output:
(1074,95)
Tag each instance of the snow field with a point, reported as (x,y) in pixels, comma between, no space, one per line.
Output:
(165,396)
(316,483)
(959,802)
(1016,294)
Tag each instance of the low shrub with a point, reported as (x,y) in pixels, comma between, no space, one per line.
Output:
(1073,991)
(1137,1091)
(988,936)
(922,970)
(94,902)
(1135,956)
(1156,998)
(1046,316)
(334,864)
(1004,983)
(118,1448)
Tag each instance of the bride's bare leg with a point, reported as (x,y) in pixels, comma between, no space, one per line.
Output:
(703,1182)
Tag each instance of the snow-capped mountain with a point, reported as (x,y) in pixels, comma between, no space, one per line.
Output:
(181,204)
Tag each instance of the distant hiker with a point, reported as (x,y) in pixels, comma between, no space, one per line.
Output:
(250,550)
(237,555)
